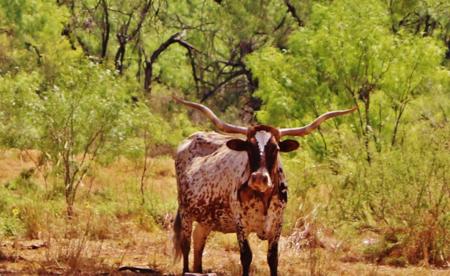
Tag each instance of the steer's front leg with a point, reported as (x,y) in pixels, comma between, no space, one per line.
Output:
(246,252)
(272,256)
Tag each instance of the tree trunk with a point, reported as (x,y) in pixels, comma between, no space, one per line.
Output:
(148,71)
(120,56)
(397,123)
(368,128)
(106,30)
(144,170)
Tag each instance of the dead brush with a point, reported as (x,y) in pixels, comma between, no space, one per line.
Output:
(428,244)
(2,255)
(308,233)
(312,238)
(75,255)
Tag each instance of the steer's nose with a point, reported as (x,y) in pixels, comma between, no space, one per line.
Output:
(258,177)
(265,178)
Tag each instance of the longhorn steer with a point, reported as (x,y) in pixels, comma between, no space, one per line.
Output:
(230,185)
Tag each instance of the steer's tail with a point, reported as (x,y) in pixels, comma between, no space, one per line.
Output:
(177,238)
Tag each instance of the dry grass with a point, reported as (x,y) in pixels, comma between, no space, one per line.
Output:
(112,229)
(12,163)
(154,250)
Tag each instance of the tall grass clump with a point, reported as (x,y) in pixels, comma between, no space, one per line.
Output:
(25,209)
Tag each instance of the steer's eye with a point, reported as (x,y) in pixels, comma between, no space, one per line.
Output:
(271,155)
(271,151)
(255,149)
(272,148)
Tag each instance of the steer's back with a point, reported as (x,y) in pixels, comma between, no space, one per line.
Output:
(208,176)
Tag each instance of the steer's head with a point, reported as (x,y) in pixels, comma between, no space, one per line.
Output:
(262,146)
(263,143)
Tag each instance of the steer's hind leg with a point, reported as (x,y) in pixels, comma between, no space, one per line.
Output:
(201,233)
(182,238)
(186,243)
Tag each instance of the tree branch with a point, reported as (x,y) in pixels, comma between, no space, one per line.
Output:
(293,11)
(218,86)
(36,50)
(175,38)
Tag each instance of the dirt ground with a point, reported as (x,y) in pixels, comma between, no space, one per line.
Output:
(154,250)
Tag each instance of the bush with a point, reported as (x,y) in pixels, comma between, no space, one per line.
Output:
(402,196)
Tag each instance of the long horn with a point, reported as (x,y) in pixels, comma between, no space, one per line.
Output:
(222,126)
(302,131)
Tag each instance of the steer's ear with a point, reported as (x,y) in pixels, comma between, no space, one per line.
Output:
(288,145)
(237,144)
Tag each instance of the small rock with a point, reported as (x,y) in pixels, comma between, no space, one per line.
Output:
(140,269)
(35,244)
(199,274)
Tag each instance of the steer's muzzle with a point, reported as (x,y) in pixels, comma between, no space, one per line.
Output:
(260,181)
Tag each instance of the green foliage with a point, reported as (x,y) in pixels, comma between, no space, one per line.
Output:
(75,111)
(331,60)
